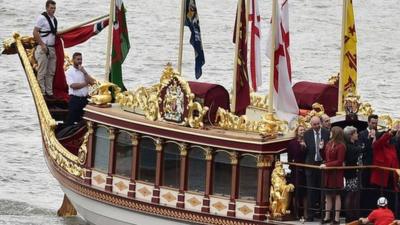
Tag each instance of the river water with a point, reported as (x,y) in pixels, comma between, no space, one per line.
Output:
(30,195)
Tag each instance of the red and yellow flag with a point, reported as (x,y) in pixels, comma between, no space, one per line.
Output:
(349,56)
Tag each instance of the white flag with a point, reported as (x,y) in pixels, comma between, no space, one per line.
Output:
(255,58)
(284,99)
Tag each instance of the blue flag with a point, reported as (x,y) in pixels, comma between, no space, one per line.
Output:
(192,21)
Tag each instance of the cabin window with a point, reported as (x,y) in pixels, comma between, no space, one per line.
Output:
(123,154)
(172,165)
(248,178)
(147,160)
(196,170)
(101,149)
(222,174)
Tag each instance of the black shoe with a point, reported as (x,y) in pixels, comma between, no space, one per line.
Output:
(336,222)
(310,219)
(326,221)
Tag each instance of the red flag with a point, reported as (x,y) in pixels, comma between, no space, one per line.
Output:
(255,57)
(242,93)
(70,39)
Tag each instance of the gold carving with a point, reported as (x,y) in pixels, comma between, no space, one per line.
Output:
(334,80)
(111,133)
(147,101)
(387,121)
(234,158)
(280,192)
(245,210)
(99,179)
(101,95)
(144,191)
(121,185)
(61,156)
(264,160)
(196,108)
(144,101)
(159,144)
(83,149)
(317,110)
(193,201)
(351,103)
(134,139)
(209,153)
(259,101)
(365,109)
(269,125)
(169,197)
(219,206)
(183,149)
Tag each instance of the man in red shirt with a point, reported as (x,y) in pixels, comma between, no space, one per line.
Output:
(380,216)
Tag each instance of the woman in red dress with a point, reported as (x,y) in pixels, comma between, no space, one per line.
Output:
(335,152)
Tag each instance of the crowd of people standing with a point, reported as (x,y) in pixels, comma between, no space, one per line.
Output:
(322,147)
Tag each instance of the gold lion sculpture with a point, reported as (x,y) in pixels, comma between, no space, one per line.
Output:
(280,192)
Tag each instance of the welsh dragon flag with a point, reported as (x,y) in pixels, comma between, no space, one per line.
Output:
(121,46)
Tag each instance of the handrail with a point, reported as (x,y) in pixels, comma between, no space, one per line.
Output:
(342,167)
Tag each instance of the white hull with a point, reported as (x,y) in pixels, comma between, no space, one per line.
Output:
(99,213)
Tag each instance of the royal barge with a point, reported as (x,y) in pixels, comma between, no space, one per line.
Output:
(173,153)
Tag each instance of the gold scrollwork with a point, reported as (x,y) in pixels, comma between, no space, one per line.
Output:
(334,80)
(61,156)
(365,109)
(82,153)
(259,101)
(269,125)
(196,108)
(351,103)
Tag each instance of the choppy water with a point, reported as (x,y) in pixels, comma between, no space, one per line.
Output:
(30,195)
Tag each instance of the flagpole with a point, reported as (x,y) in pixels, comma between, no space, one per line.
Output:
(82,24)
(341,88)
(272,58)
(237,33)
(109,41)
(181,33)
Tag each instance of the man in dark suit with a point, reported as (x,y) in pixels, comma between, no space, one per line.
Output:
(366,138)
(315,140)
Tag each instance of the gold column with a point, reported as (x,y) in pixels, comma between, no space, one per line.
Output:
(234,184)
(207,191)
(89,159)
(264,163)
(183,176)
(111,159)
(157,182)
(134,165)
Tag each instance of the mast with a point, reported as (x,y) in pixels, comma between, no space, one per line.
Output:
(237,33)
(181,33)
(341,88)
(272,58)
(109,41)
